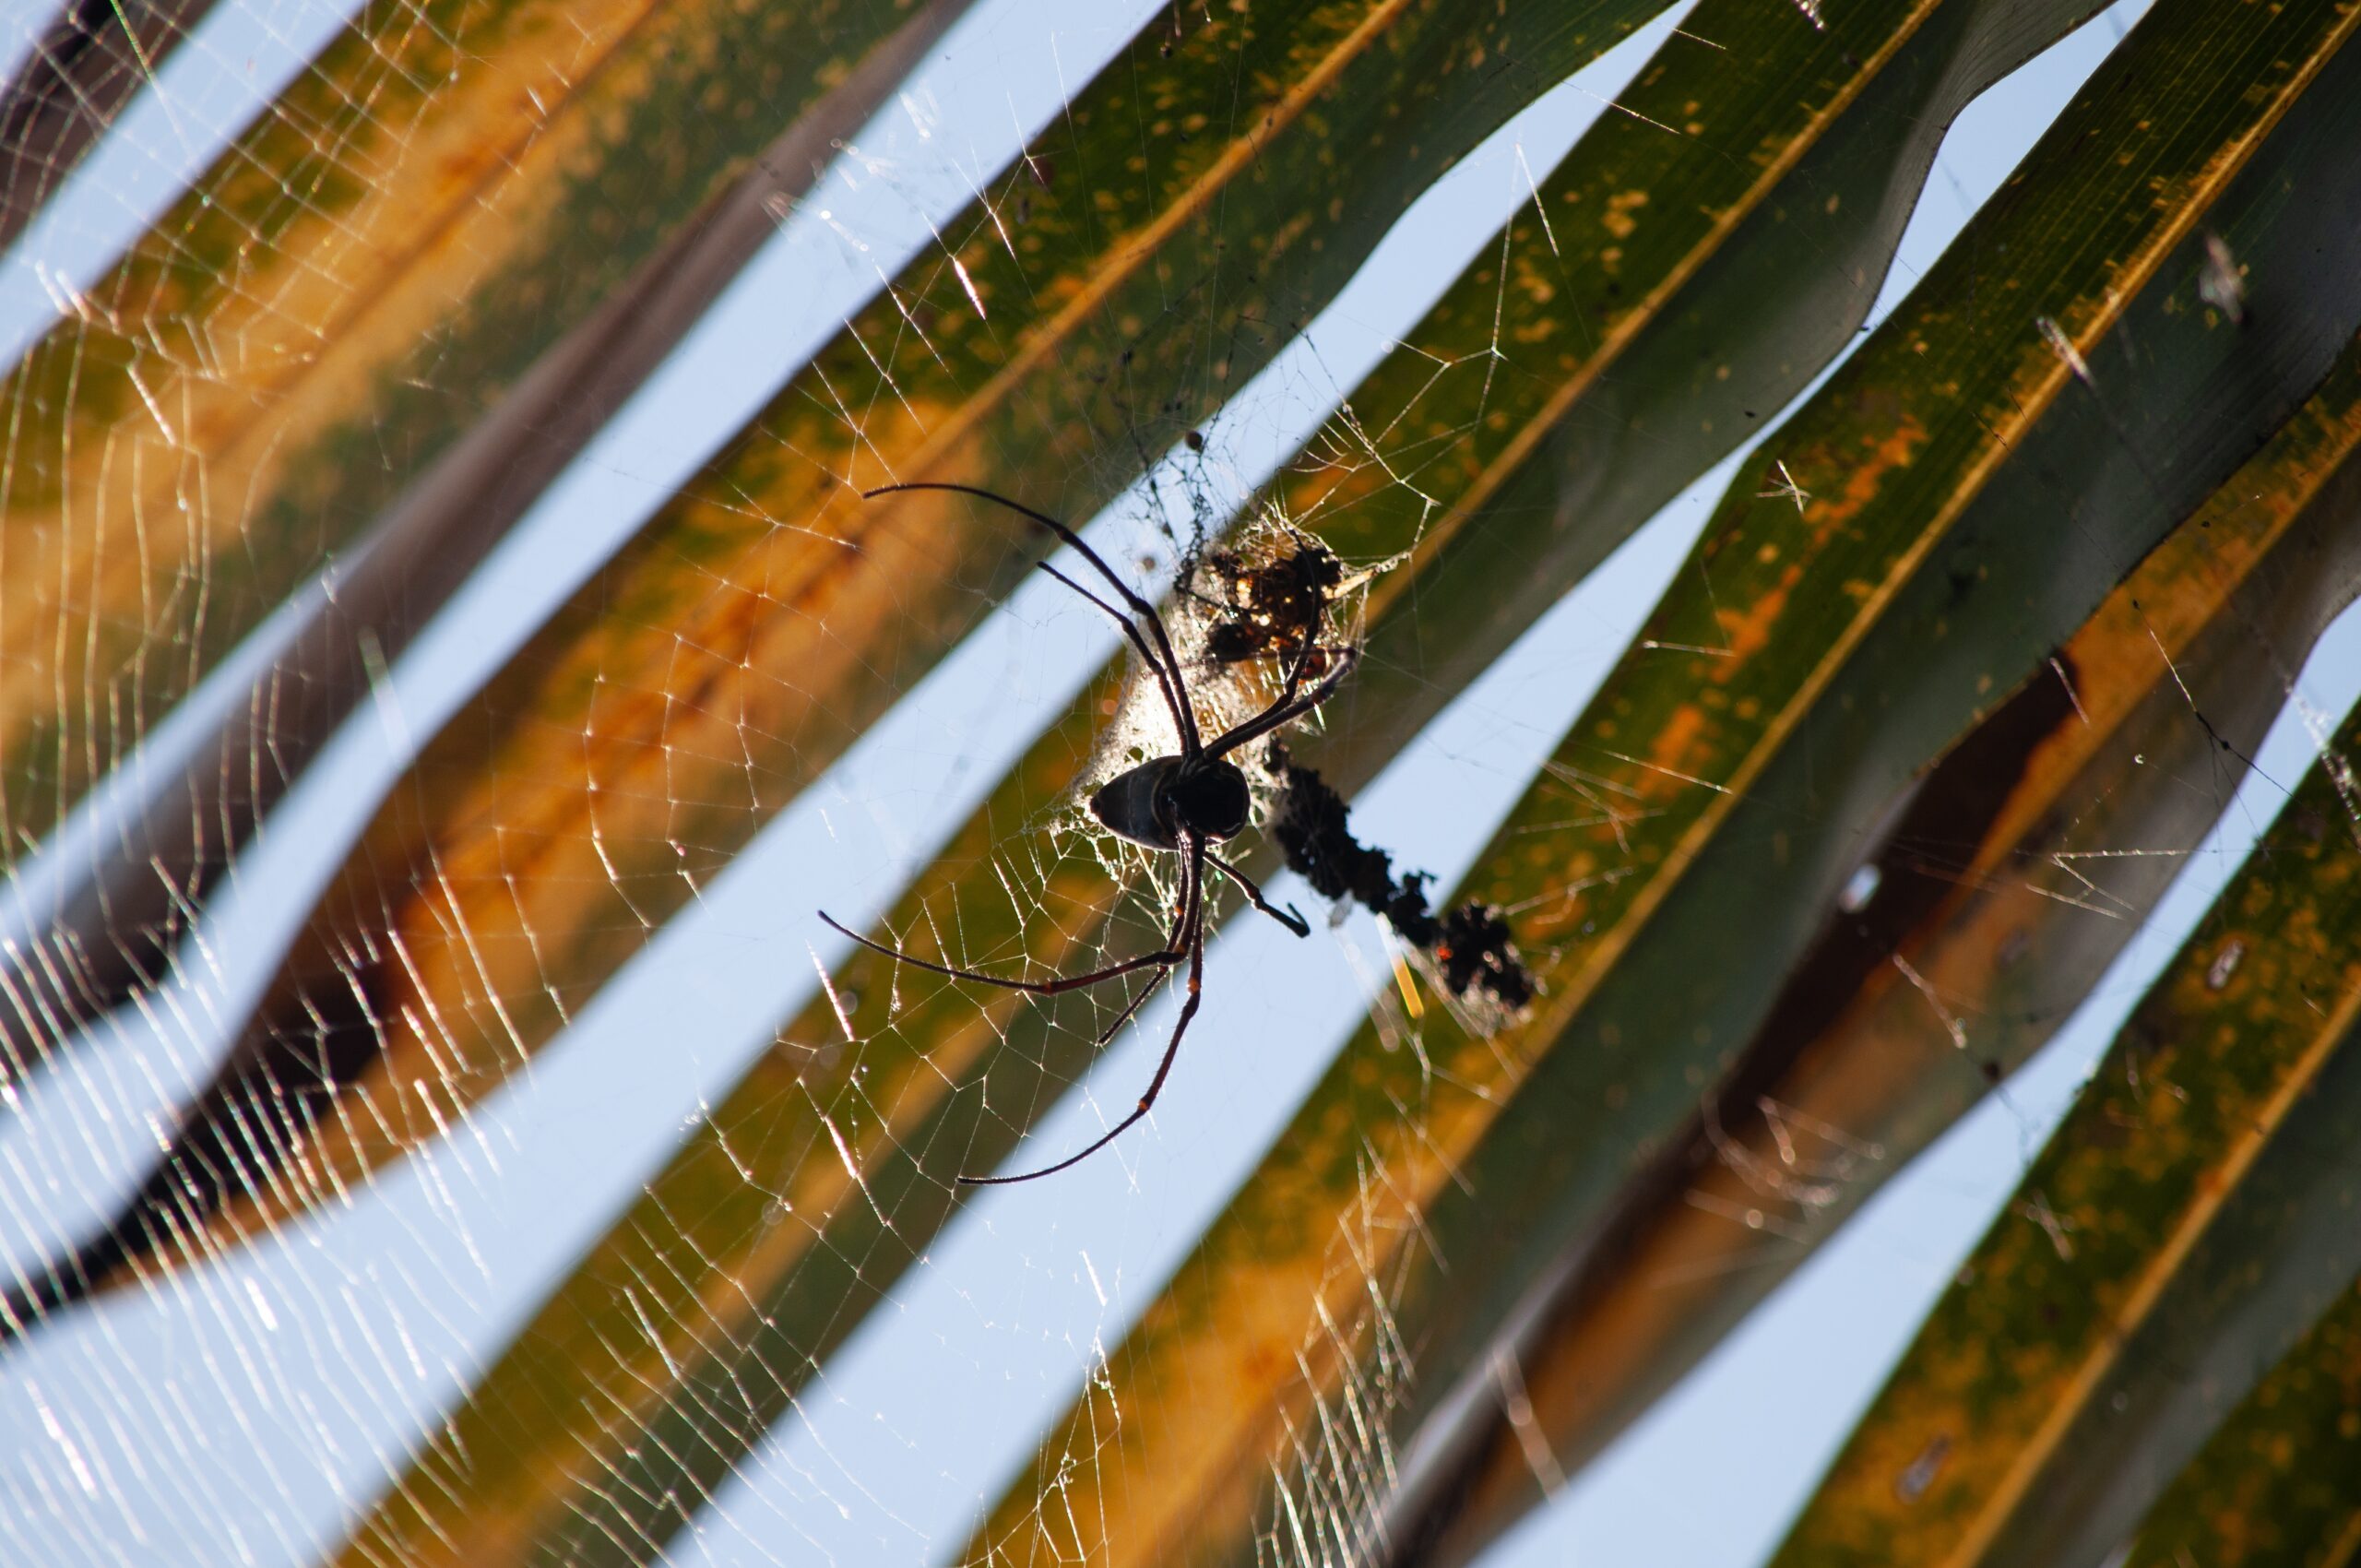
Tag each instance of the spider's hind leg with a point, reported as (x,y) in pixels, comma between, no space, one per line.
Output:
(1191,938)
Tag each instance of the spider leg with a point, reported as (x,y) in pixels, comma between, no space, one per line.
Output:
(1166,957)
(1287,708)
(1138,606)
(1195,942)
(1171,953)
(1133,1005)
(1137,1003)
(1294,682)
(1293,919)
(1130,629)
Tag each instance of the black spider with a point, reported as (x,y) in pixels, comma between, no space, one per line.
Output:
(1183,803)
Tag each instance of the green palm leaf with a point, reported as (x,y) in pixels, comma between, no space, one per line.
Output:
(397,244)
(2186,1225)
(1847,643)
(2025,861)
(916,1084)
(2278,1483)
(695,683)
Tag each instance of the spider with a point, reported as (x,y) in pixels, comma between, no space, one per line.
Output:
(1182,804)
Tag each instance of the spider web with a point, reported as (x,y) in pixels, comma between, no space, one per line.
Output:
(252,1406)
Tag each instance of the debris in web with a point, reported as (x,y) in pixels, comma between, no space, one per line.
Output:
(1269,605)
(1469,944)
(1276,597)
(1271,611)
(2221,283)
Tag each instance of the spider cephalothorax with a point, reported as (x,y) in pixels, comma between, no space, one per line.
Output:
(1183,803)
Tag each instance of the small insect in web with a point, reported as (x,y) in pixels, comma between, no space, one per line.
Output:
(1185,802)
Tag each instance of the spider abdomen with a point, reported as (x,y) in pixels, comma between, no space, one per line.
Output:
(1153,803)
